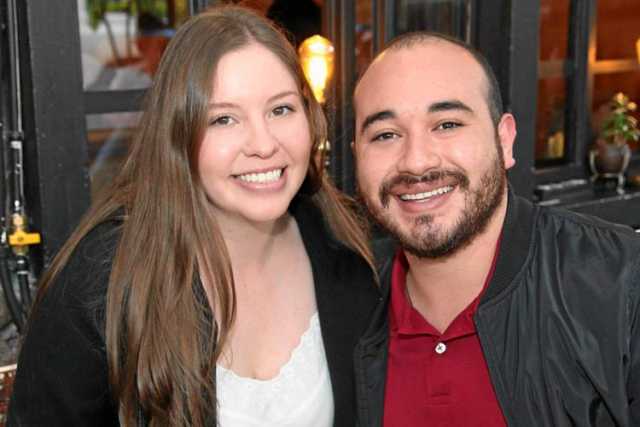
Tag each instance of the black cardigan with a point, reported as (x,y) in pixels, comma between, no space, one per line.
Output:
(62,369)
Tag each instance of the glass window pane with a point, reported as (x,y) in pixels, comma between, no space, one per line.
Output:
(552,81)
(618,29)
(122,40)
(364,35)
(554,29)
(617,66)
(300,18)
(260,6)
(445,16)
(108,139)
(550,140)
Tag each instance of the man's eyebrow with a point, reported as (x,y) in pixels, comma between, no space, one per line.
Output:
(375,117)
(449,105)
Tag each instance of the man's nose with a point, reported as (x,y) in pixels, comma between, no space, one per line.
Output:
(419,155)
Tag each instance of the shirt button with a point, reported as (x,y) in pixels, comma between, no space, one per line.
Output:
(441,348)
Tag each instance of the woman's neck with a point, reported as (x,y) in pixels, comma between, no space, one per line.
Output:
(254,246)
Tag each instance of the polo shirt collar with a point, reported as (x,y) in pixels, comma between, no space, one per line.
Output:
(406,320)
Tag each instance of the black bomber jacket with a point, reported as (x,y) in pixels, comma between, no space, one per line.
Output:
(62,371)
(558,324)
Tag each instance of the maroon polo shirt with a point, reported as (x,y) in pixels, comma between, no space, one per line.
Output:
(436,379)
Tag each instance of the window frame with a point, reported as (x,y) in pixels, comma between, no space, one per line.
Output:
(577,114)
(54,108)
(521,98)
(56,180)
(580,71)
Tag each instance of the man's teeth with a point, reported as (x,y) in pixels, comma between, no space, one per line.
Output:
(262,177)
(426,195)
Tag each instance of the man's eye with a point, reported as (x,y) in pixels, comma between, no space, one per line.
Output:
(384,136)
(221,121)
(448,125)
(281,110)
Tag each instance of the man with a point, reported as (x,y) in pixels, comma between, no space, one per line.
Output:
(496,312)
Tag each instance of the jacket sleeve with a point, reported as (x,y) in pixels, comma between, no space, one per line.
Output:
(62,369)
(633,382)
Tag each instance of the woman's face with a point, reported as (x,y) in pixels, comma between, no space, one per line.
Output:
(255,152)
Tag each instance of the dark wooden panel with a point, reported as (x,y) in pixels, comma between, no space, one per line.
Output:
(56,182)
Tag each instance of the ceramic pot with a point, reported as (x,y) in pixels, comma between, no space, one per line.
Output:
(609,159)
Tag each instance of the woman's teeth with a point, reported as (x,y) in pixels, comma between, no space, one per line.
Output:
(262,177)
(427,194)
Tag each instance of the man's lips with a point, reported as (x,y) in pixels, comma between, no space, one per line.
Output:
(421,188)
(417,195)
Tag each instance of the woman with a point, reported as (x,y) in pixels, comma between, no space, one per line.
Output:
(221,279)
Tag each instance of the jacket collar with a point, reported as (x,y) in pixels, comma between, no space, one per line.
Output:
(514,246)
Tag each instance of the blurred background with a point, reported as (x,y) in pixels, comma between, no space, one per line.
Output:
(73,73)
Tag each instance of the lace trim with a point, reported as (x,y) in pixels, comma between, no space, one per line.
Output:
(277,397)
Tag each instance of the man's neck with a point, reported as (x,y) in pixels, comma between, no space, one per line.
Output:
(441,288)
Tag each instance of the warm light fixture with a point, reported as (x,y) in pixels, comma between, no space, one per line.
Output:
(638,49)
(316,56)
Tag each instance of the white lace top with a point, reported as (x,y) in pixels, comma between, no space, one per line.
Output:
(299,396)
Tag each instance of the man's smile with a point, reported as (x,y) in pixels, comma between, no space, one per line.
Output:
(426,195)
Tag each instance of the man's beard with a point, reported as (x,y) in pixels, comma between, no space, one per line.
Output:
(426,240)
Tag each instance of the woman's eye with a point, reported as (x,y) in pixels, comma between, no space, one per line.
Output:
(221,121)
(448,125)
(384,136)
(281,110)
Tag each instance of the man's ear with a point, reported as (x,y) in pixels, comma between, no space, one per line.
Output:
(507,135)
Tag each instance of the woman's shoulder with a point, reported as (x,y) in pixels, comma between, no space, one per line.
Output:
(64,349)
(75,298)
(80,285)
(90,262)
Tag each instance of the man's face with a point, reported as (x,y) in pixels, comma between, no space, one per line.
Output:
(430,162)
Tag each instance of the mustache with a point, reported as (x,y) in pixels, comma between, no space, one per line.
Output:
(458,178)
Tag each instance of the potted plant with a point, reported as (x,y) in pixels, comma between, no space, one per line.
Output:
(611,154)
(98,10)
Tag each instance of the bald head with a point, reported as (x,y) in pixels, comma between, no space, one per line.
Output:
(410,41)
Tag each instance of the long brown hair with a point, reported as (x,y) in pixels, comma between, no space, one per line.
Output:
(161,341)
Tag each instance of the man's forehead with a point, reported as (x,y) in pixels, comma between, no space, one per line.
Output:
(424,53)
(437,68)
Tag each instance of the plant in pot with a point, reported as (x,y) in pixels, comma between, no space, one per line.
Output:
(611,154)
